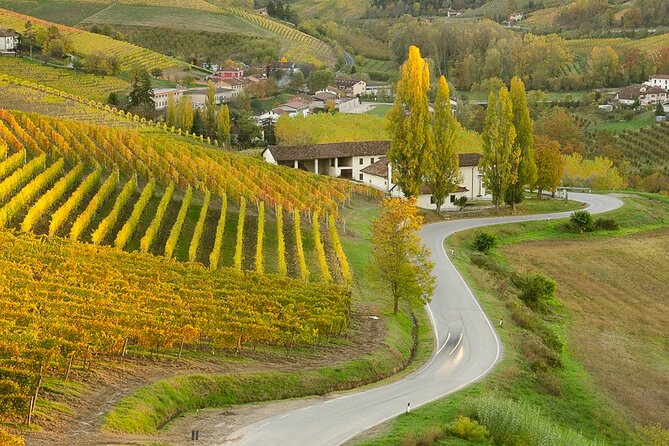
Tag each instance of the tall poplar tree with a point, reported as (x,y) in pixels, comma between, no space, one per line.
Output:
(184,119)
(210,110)
(443,173)
(224,125)
(409,126)
(171,110)
(525,168)
(499,148)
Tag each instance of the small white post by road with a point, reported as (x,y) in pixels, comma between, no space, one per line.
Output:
(295,165)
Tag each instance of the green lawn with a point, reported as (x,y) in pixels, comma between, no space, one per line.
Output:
(380,110)
(642,120)
(138,15)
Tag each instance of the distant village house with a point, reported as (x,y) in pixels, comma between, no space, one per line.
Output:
(659,80)
(161,96)
(9,41)
(348,88)
(645,94)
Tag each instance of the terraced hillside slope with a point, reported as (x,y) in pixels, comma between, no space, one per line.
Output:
(63,182)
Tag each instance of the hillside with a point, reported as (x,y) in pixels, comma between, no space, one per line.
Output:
(23,95)
(85,43)
(88,86)
(199,16)
(150,192)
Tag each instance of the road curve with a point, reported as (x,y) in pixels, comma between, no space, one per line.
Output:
(467,349)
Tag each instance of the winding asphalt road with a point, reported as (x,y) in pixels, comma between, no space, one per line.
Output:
(467,349)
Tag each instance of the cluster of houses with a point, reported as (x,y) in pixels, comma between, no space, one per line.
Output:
(652,92)
(366,162)
(228,82)
(343,96)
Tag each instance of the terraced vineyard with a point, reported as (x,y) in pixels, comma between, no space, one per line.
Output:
(64,182)
(24,95)
(647,149)
(651,45)
(84,42)
(88,86)
(302,46)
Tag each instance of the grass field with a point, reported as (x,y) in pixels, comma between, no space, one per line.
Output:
(330,9)
(613,374)
(87,86)
(642,120)
(325,128)
(178,18)
(66,12)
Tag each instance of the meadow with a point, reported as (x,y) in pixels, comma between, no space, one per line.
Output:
(325,128)
(598,314)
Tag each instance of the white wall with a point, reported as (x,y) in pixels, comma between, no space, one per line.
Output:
(366,161)
(471,180)
(375,181)
(425,202)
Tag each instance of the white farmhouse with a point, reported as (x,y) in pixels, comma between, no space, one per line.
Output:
(161,95)
(198,96)
(366,162)
(659,80)
(645,94)
(340,160)
(379,176)
(9,41)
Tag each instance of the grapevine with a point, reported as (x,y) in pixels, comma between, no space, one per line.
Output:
(178,224)
(199,227)
(153,228)
(128,228)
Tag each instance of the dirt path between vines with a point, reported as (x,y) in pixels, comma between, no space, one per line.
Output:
(110,381)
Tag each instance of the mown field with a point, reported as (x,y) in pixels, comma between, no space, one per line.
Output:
(330,9)
(324,128)
(591,361)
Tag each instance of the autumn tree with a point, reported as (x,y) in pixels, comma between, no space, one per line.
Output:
(550,164)
(603,66)
(185,115)
(500,151)
(401,262)
(171,110)
(443,173)
(409,125)
(224,125)
(555,123)
(210,110)
(524,168)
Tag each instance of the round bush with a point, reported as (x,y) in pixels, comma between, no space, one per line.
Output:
(484,241)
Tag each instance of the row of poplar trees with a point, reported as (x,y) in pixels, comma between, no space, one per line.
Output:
(423,149)
(210,123)
(423,144)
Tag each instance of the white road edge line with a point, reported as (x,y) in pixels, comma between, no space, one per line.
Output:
(445,343)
